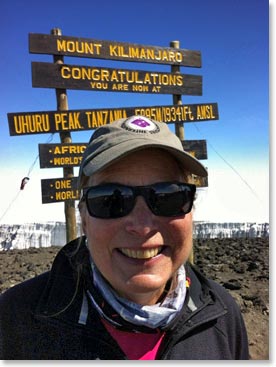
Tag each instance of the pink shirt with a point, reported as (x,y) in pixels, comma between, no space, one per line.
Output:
(136,346)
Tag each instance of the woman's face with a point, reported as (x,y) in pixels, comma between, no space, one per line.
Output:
(137,254)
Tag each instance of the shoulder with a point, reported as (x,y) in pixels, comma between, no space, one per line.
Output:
(30,290)
(220,290)
(226,297)
(220,293)
(27,292)
(17,307)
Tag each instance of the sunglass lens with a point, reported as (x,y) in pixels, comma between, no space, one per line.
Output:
(109,201)
(164,199)
(171,200)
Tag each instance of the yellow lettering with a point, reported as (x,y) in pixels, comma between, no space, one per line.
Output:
(120,86)
(134,52)
(99,85)
(179,80)
(67,121)
(97,119)
(142,54)
(114,76)
(101,77)
(36,123)
(147,79)
(104,75)
(59,121)
(63,184)
(73,149)
(80,47)
(64,149)
(140,88)
(156,88)
(65,72)
(205,112)
(61,45)
(74,123)
(67,195)
(117,114)
(57,150)
(66,161)
(113,50)
(145,53)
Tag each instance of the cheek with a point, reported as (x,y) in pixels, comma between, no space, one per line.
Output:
(99,236)
(93,228)
(182,237)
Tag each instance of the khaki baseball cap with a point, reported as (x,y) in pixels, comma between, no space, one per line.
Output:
(114,141)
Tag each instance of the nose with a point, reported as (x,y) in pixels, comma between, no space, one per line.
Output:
(141,221)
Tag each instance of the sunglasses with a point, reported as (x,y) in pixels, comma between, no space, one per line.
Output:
(166,199)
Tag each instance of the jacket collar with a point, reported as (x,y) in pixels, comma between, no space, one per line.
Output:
(65,280)
(63,294)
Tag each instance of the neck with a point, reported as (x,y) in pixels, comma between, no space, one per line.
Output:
(144,299)
(150,298)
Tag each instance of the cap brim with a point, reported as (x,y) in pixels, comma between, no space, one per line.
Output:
(113,154)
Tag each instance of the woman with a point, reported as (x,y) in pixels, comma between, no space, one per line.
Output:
(125,290)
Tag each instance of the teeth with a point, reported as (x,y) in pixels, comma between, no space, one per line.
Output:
(141,254)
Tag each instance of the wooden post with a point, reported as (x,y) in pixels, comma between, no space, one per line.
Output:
(179,127)
(68,172)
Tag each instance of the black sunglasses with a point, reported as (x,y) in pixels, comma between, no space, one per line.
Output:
(166,199)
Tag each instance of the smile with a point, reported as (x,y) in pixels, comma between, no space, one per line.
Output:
(141,254)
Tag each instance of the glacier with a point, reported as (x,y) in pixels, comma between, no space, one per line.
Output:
(23,236)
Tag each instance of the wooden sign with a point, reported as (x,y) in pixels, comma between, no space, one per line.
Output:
(61,155)
(59,189)
(23,123)
(111,50)
(48,75)
(70,155)
(197,148)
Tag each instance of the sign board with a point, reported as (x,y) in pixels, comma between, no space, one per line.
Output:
(59,189)
(111,50)
(70,155)
(61,155)
(65,76)
(22,123)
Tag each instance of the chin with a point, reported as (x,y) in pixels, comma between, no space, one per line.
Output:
(145,290)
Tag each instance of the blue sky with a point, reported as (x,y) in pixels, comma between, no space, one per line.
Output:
(233,37)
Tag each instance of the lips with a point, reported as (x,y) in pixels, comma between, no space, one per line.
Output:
(141,254)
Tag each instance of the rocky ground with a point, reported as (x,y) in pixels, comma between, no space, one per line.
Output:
(240,265)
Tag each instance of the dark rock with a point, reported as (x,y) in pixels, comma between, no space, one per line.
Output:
(252,266)
(232,284)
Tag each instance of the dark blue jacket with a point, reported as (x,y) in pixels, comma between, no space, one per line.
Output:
(41,318)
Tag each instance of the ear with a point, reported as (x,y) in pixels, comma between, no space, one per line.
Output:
(83,218)
(83,224)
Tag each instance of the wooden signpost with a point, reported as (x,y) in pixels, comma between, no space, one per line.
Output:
(61,77)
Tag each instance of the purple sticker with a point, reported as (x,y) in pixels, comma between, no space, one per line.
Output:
(140,123)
